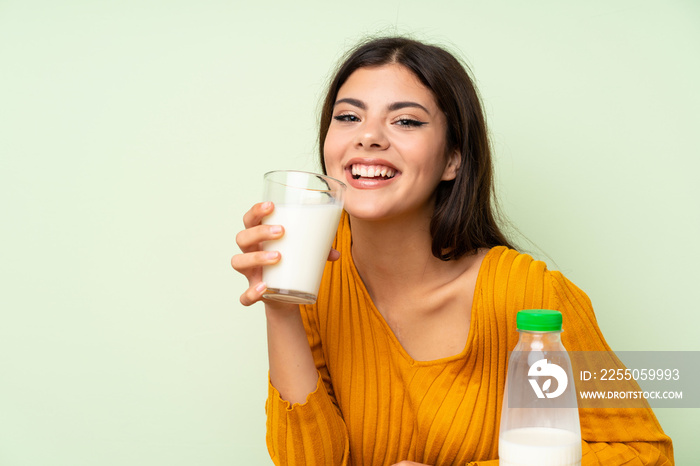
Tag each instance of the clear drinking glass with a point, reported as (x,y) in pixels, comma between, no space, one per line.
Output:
(308,206)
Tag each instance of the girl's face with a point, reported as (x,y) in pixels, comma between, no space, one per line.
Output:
(387,141)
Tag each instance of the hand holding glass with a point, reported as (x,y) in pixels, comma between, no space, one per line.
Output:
(308,206)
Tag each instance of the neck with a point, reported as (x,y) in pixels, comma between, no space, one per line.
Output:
(393,252)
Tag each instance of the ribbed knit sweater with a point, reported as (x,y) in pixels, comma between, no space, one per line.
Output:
(375,405)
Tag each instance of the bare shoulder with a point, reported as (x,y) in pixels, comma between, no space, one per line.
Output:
(472,262)
(466,272)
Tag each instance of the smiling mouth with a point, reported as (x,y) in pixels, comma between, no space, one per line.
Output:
(372,172)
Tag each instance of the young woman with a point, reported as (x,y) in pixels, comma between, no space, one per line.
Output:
(403,358)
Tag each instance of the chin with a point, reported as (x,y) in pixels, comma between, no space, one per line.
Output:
(365,212)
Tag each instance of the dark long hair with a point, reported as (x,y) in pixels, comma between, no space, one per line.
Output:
(464,219)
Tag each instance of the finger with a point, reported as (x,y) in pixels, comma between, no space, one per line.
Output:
(249,239)
(253,294)
(245,263)
(256,213)
(334,255)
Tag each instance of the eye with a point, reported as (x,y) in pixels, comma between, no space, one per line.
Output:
(346,117)
(409,122)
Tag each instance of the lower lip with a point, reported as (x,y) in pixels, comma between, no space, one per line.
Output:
(368,183)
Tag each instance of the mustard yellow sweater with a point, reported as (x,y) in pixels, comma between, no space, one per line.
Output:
(375,405)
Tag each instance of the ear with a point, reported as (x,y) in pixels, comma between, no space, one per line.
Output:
(454,161)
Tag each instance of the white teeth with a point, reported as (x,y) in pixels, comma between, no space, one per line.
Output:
(372,171)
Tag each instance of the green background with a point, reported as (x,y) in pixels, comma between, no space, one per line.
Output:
(134,135)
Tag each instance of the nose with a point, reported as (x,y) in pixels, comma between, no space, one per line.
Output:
(371,137)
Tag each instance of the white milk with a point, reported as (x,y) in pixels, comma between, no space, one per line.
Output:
(308,236)
(539,446)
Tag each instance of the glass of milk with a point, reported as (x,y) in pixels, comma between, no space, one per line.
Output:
(308,206)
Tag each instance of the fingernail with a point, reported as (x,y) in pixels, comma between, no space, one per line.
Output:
(272,255)
(267,205)
(261,287)
(276,229)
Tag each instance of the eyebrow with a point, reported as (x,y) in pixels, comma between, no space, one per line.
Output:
(400,105)
(394,106)
(353,102)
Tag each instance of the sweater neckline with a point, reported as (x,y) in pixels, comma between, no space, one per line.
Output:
(481,276)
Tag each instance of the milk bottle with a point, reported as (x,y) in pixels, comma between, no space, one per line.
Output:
(539,419)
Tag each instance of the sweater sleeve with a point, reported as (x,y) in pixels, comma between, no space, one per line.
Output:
(312,433)
(611,436)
